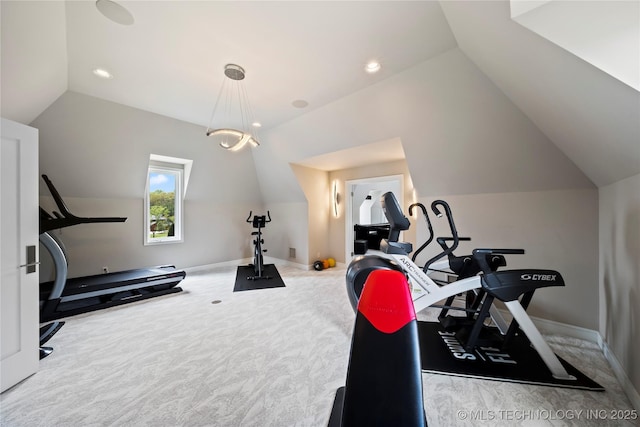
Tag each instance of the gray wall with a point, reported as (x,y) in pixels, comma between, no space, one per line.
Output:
(315,185)
(97,152)
(289,229)
(557,229)
(459,133)
(337,227)
(620,273)
(461,136)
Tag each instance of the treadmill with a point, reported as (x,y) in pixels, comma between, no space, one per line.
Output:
(67,297)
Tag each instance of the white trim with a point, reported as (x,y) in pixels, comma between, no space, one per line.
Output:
(278,261)
(205,267)
(245,261)
(552,327)
(178,172)
(348,189)
(621,375)
(181,167)
(564,329)
(186,165)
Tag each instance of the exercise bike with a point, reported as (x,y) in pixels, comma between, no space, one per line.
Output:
(259,222)
(507,286)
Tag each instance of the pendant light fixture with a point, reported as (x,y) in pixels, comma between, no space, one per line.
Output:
(232,112)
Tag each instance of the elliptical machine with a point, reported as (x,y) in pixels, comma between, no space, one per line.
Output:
(259,222)
(507,286)
(457,268)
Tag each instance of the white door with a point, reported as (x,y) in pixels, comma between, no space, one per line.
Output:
(19,306)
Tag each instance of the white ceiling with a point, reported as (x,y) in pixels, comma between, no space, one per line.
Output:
(171,60)
(589,115)
(362,155)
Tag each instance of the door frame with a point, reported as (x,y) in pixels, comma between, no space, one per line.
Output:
(348,221)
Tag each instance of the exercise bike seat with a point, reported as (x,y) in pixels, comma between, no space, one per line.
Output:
(384,377)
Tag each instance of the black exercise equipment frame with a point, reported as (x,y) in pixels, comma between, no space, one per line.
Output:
(259,222)
(71,296)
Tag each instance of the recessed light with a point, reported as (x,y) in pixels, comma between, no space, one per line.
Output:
(102,73)
(256,124)
(114,12)
(372,67)
(300,103)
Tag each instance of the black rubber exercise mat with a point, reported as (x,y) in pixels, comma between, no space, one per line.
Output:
(245,271)
(441,353)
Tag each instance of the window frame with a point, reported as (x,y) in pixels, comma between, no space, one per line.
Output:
(178,170)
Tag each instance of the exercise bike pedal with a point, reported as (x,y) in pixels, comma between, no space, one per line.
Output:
(455,322)
(259,277)
(489,337)
(45,351)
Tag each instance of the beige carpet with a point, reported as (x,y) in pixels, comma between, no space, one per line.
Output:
(271,357)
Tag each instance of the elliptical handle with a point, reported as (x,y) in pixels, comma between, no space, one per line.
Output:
(249,217)
(426,217)
(442,241)
(452,226)
(268,216)
(499,251)
(422,208)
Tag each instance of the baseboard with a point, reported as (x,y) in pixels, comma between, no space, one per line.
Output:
(245,261)
(620,374)
(552,327)
(278,261)
(204,267)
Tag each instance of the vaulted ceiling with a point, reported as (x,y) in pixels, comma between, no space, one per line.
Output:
(170,62)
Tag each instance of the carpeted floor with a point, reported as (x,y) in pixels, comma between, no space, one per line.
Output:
(269,357)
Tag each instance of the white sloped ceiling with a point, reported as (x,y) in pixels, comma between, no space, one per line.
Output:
(591,116)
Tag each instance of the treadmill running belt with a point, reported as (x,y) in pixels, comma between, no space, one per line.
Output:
(84,294)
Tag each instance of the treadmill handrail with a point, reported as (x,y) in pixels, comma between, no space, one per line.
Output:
(66,218)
